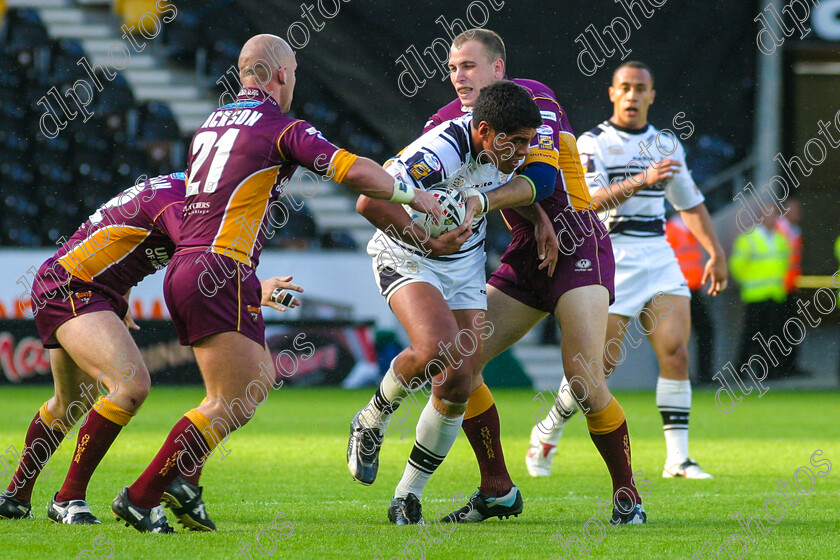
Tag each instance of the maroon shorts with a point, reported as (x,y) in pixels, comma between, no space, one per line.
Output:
(586,259)
(57,297)
(208,293)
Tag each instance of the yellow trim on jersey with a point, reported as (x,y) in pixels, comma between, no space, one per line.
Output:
(238,300)
(573,176)
(341,162)
(246,207)
(551,157)
(280,137)
(103,248)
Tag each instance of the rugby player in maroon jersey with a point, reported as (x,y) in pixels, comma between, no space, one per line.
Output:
(240,163)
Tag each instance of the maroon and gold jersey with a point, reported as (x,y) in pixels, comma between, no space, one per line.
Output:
(240,159)
(129,237)
(554,144)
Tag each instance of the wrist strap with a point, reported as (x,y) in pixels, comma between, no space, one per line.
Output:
(485,202)
(403,192)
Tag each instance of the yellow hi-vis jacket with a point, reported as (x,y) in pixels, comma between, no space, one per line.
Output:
(759,263)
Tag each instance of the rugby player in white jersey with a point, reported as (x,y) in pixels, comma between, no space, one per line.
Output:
(631,169)
(436,287)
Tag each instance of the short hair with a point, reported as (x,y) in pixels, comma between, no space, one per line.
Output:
(634,64)
(493,44)
(506,107)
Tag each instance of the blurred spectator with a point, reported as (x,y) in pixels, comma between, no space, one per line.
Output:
(788,225)
(692,261)
(759,263)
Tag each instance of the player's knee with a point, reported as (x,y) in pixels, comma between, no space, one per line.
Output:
(454,388)
(433,355)
(675,359)
(136,389)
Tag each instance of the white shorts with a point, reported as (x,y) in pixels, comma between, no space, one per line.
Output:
(461,281)
(644,266)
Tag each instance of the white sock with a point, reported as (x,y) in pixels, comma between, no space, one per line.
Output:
(550,428)
(674,401)
(378,411)
(435,435)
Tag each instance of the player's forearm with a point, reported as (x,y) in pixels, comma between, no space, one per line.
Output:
(367,178)
(699,223)
(517,192)
(391,218)
(607,198)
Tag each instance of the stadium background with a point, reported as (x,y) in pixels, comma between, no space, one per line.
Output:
(704,55)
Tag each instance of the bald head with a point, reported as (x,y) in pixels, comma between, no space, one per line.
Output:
(268,62)
(261,56)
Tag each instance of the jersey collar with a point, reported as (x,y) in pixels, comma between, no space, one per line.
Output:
(629,130)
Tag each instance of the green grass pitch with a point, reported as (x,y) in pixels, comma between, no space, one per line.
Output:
(291,458)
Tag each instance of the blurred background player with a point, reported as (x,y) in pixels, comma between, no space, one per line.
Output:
(240,159)
(760,263)
(80,295)
(692,262)
(630,170)
(441,298)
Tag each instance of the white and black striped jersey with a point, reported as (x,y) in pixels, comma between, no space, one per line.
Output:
(610,153)
(444,156)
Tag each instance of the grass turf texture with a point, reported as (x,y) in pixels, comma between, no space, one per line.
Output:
(291,458)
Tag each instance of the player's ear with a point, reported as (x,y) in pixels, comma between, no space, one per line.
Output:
(281,75)
(499,69)
(652,96)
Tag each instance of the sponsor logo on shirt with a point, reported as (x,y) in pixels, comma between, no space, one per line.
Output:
(312,131)
(254,310)
(549,115)
(616,149)
(432,161)
(419,170)
(546,142)
(583,265)
(545,129)
(158,257)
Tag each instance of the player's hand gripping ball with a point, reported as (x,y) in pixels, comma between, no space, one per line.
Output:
(454,208)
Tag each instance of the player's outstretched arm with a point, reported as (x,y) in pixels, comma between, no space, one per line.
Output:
(699,223)
(609,197)
(366,177)
(393,219)
(519,191)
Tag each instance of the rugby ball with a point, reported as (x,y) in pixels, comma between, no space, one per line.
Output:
(454,209)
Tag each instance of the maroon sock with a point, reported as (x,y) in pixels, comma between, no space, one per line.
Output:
(41,442)
(183,450)
(614,447)
(484,433)
(95,438)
